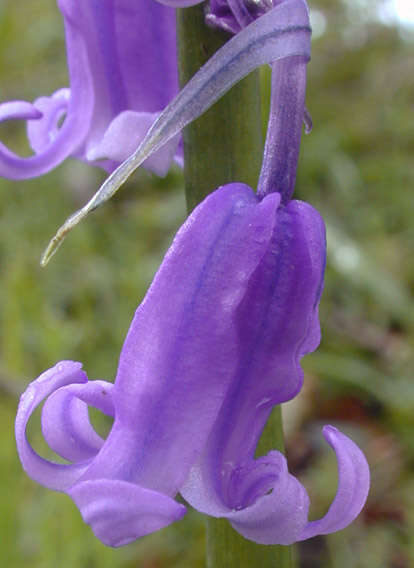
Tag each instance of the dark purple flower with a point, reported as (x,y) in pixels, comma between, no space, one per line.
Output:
(178,360)
(123,72)
(214,345)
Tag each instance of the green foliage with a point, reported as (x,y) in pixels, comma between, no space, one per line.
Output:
(356,167)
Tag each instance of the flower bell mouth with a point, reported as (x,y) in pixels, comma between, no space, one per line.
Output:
(179,360)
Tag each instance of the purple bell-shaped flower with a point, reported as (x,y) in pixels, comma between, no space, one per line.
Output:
(122,71)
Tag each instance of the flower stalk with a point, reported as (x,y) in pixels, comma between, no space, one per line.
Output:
(229,137)
(225,144)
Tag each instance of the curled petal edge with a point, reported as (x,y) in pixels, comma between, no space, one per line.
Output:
(66,139)
(118,511)
(353,486)
(280,516)
(282,32)
(65,419)
(41,133)
(277,517)
(18,110)
(50,474)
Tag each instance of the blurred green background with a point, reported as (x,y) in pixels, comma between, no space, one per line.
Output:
(356,167)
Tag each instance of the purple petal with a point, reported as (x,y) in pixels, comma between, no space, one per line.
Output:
(42,133)
(266,504)
(120,512)
(277,323)
(116,51)
(130,47)
(279,506)
(74,127)
(20,110)
(65,419)
(241,12)
(124,134)
(284,130)
(166,366)
(52,475)
(353,486)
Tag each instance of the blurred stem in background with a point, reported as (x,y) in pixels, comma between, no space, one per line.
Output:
(225,145)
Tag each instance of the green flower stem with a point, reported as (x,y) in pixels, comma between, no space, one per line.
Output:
(225,145)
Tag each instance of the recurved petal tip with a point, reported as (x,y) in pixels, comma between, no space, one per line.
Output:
(353,486)
(53,475)
(65,419)
(268,505)
(22,110)
(120,512)
(279,514)
(279,517)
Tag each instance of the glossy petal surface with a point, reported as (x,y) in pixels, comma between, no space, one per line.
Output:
(53,475)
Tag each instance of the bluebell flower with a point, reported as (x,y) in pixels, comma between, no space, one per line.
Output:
(122,71)
(215,344)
